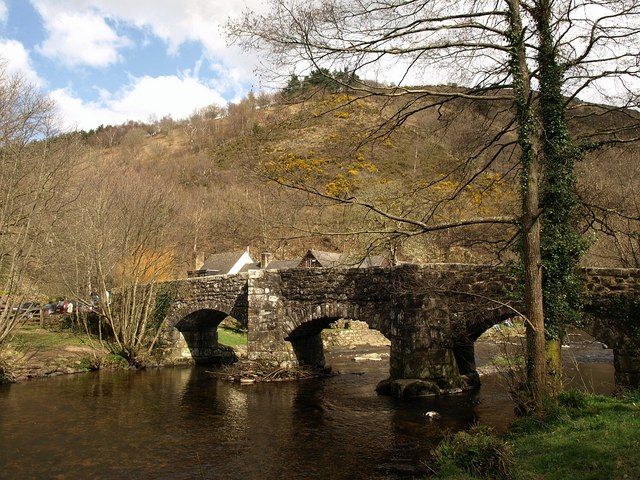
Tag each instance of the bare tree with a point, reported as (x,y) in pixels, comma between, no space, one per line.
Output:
(114,253)
(33,166)
(485,40)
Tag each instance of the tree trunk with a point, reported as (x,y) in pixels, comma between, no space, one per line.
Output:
(530,176)
(562,244)
(554,365)
(536,358)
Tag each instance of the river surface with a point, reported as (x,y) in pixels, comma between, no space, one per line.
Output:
(184,423)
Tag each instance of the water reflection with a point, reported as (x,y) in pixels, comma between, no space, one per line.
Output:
(185,423)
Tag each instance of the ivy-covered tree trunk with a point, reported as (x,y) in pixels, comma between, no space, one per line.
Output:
(561,243)
(530,223)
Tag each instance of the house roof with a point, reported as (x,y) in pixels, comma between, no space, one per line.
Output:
(250,266)
(283,264)
(222,262)
(326,259)
(374,261)
(337,259)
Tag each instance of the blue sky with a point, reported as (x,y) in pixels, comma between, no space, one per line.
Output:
(109,61)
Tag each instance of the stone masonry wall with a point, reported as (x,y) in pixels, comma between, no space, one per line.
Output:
(225,293)
(431,313)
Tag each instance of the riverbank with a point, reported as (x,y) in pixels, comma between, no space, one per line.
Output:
(37,352)
(586,437)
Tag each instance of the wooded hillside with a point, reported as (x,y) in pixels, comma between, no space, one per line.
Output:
(216,177)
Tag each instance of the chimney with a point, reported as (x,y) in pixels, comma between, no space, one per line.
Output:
(199,260)
(265,259)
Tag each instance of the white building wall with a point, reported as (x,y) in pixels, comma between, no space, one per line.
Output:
(242,261)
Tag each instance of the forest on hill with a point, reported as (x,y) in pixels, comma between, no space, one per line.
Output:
(220,166)
(228,178)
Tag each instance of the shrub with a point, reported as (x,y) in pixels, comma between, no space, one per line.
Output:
(113,360)
(90,363)
(573,399)
(6,372)
(477,452)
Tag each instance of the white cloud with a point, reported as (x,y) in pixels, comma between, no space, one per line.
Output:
(18,61)
(4,11)
(80,38)
(145,96)
(173,21)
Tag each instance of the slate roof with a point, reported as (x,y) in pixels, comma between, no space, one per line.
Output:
(374,261)
(250,266)
(283,264)
(221,262)
(327,259)
(337,259)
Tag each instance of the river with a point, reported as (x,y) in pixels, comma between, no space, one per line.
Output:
(184,423)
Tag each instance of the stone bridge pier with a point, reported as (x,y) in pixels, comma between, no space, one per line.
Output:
(422,310)
(432,314)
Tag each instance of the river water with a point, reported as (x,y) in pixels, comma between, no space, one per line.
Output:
(184,423)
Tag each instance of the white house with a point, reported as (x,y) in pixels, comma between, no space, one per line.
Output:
(228,263)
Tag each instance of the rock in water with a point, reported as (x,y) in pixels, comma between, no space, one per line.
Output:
(376,357)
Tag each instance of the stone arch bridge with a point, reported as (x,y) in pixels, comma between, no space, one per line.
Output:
(431,313)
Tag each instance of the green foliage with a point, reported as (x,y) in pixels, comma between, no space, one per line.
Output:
(561,243)
(114,360)
(478,452)
(294,85)
(231,337)
(90,363)
(573,399)
(321,78)
(582,437)
(508,361)
(562,246)
(633,397)
(164,298)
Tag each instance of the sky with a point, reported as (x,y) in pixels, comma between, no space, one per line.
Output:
(109,61)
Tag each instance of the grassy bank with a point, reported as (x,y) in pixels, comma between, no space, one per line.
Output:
(31,337)
(586,437)
(41,352)
(231,338)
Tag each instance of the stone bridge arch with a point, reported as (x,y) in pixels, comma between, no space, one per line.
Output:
(197,308)
(431,313)
(303,326)
(192,331)
(288,309)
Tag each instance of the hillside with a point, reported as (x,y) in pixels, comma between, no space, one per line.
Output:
(217,170)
